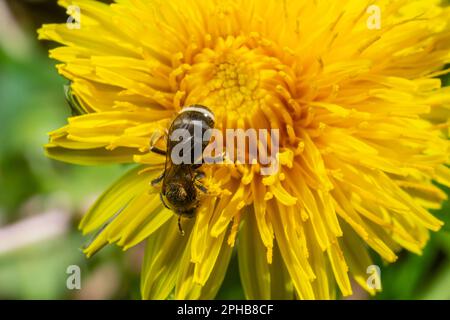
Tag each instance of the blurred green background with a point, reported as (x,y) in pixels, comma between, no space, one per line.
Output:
(41,201)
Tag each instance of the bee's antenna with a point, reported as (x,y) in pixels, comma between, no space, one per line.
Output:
(179,226)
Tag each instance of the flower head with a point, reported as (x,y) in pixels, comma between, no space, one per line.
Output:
(362,116)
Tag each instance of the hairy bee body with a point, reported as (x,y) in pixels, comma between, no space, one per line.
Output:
(180,185)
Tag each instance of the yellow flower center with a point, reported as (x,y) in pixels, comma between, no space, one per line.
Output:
(240,82)
(234,85)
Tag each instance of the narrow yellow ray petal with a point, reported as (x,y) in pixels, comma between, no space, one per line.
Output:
(281,287)
(357,257)
(443,175)
(340,268)
(217,275)
(138,220)
(309,203)
(115,198)
(163,256)
(204,267)
(300,277)
(318,260)
(363,230)
(186,286)
(253,267)
(89,157)
(264,225)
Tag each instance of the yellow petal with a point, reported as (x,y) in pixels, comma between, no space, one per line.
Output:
(188,288)
(357,256)
(253,266)
(115,198)
(163,256)
(260,280)
(89,157)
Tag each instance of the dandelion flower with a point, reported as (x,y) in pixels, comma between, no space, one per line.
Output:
(363,121)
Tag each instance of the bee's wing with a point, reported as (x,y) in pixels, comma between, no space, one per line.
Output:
(189,141)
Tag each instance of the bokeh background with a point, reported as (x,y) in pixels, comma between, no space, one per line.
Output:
(42,201)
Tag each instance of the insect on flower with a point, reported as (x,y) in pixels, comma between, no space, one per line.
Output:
(361,114)
(181,175)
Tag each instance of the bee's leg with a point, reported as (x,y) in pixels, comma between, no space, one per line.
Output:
(162,200)
(157,151)
(201,187)
(200,175)
(153,140)
(158,180)
(179,226)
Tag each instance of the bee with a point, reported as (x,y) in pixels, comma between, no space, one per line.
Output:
(180,180)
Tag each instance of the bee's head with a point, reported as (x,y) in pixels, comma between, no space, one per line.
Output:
(182,196)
